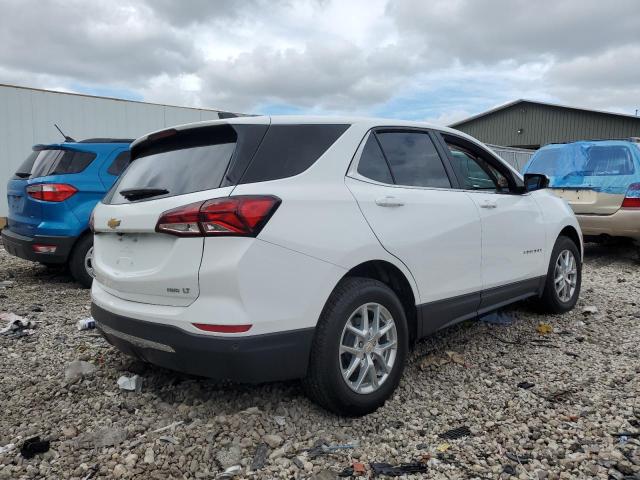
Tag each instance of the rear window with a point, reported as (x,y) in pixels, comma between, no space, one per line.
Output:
(186,162)
(46,162)
(583,160)
(24,170)
(608,161)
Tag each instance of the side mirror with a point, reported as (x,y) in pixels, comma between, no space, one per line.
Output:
(535,181)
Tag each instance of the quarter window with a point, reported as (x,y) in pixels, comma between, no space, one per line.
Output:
(372,163)
(120,163)
(413,159)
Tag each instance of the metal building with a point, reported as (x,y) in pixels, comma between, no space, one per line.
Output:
(516,157)
(27,116)
(528,124)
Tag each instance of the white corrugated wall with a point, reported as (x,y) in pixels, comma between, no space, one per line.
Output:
(27,117)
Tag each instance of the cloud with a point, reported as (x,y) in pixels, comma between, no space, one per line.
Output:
(436,60)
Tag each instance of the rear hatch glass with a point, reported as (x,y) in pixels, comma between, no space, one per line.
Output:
(592,176)
(184,162)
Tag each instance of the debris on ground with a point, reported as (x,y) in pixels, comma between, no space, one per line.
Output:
(130,384)
(106,437)
(77,370)
(590,310)
(7,448)
(456,433)
(544,328)
(443,447)
(280,420)
(324,449)
(522,459)
(230,472)
(498,317)
(260,457)
(6,284)
(86,324)
(398,470)
(358,469)
(33,446)
(436,360)
(171,426)
(526,385)
(17,326)
(168,439)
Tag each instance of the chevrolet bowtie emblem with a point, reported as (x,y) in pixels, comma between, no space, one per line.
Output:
(113,223)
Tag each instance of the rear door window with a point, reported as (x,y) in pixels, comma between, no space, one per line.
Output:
(119,163)
(55,162)
(188,161)
(413,159)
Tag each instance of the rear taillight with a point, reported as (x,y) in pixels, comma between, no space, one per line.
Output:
(51,192)
(243,215)
(632,198)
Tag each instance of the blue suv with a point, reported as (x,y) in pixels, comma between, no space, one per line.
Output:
(51,197)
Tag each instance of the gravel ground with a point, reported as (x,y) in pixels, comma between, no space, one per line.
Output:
(584,377)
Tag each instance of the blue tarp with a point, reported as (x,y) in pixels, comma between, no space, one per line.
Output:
(608,166)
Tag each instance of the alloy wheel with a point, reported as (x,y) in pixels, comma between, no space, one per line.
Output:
(368,348)
(565,275)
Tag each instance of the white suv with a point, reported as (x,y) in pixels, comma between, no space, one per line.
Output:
(258,249)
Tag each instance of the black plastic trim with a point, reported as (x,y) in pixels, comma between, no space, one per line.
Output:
(247,359)
(442,313)
(20,246)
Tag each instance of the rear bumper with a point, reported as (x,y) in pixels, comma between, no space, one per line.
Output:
(623,223)
(247,359)
(21,246)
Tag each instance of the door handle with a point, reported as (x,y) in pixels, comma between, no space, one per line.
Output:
(489,204)
(389,201)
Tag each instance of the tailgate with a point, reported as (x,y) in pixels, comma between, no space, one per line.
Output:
(590,202)
(134,262)
(25,213)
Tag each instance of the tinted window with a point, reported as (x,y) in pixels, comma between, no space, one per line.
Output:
(189,161)
(413,159)
(60,162)
(372,163)
(475,173)
(24,170)
(288,150)
(120,163)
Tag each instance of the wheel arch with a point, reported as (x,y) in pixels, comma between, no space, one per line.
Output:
(570,232)
(392,276)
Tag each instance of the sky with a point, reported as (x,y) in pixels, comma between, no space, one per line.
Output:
(437,60)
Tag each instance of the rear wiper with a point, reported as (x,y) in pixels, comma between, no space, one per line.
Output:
(22,174)
(139,193)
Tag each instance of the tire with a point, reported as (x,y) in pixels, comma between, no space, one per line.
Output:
(77,266)
(324,383)
(551,301)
